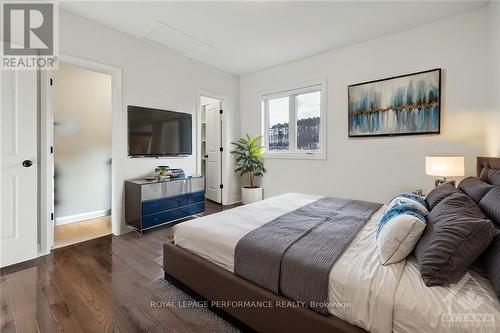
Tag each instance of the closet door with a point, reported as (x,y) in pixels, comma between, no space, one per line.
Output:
(213,118)
(18,175)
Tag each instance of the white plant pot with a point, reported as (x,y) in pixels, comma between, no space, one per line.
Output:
(249,195)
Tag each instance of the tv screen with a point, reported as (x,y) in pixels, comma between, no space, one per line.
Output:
(153,132)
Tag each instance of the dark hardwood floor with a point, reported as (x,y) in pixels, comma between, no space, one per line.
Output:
(100,285)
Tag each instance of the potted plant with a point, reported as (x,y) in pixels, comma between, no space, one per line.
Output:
(250,162)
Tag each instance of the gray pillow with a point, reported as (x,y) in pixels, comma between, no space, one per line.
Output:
(439,193)
(474,188)
(484,173)
(457,233)
(490,205)
(494,177)
(491,260)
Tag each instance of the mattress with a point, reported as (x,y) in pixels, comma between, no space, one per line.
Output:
(362,292)
(467,306)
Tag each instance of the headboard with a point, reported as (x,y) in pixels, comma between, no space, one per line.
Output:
(490,162)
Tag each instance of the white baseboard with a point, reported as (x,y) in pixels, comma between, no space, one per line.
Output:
(234,200)
(82,217)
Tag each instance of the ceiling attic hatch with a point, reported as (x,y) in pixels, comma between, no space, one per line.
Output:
(166,35)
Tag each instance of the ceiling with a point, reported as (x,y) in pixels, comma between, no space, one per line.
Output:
(245,37)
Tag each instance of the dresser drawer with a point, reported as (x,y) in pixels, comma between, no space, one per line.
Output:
(153,191)
(183,200)
(196,185)
(170,188)
(196,197)
(159,218)
(154,206)
(192,209)
(176,187)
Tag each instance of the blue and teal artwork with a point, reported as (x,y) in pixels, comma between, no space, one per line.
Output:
(403,105)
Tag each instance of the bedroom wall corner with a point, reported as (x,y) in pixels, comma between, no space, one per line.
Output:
(152,76)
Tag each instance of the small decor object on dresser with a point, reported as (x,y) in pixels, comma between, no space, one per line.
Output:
(162,172)
(402,105)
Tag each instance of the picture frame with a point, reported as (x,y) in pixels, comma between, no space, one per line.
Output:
(408,104)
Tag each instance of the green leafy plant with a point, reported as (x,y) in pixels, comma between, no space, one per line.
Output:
(249,158)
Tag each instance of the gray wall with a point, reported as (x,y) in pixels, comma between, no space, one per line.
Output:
(82,141)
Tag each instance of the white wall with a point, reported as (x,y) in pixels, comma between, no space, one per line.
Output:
(378,168)
(152,76)
(493,126)
(82,141)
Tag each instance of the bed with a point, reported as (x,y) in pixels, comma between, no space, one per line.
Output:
(367,295)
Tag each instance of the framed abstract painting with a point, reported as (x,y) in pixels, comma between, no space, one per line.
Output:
(401,105)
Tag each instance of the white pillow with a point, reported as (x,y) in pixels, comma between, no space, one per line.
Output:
(399,231)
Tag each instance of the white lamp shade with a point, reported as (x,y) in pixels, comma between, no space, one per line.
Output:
(444,166)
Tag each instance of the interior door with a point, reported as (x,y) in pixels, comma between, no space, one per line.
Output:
(18,173)
(213,118)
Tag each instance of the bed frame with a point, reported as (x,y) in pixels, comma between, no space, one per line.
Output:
(211,282)
(490,162)
(205,280)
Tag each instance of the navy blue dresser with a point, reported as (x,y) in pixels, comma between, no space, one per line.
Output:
(149,204)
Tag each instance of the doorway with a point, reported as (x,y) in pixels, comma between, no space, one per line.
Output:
(82,154)
(211,146)
(27,159)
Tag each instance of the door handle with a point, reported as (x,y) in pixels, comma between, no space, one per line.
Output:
(27,163)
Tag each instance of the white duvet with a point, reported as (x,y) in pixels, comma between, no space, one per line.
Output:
(374,297)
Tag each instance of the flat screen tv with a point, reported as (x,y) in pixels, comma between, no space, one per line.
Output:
(156,133)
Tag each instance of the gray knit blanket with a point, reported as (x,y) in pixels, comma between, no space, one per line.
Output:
(293,254)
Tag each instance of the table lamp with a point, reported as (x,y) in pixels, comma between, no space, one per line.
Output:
(444,167)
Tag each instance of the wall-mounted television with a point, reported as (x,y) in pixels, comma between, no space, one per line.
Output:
(156,133)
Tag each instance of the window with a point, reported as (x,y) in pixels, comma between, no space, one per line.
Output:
(279,117)
(295,123)
(308,120)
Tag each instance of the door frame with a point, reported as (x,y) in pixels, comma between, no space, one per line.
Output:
(225,161)
(47,141)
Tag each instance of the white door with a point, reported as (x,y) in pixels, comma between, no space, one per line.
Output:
(18,173)
(213,118)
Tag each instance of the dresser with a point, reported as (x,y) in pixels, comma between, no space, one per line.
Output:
(149,204)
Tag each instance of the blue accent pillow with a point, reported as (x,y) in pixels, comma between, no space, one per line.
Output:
(410,199)
(400,209)
(415,197)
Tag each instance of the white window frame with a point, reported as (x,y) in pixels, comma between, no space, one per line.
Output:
(292,92)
